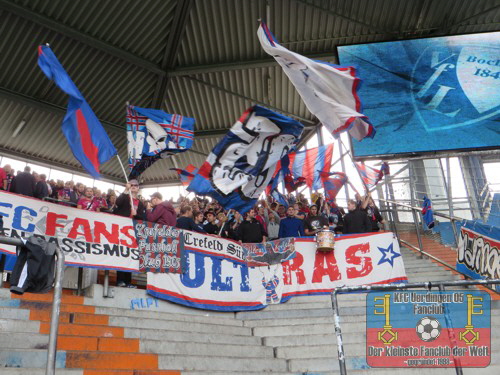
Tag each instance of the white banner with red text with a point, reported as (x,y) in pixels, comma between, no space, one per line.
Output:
(209,282)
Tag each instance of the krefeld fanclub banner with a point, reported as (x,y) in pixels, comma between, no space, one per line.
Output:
(215,274)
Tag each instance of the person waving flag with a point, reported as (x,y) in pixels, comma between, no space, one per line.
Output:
(86,137)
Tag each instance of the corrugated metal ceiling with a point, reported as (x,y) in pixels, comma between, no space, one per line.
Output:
(200,58)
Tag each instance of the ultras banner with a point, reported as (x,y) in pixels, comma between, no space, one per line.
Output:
(89,239)
(215,283)
(479,251)
(100,240)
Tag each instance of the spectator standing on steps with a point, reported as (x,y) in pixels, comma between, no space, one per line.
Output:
(356,220)
(161,212)
(129,205)
(291,226)
(24,183)
(251,230)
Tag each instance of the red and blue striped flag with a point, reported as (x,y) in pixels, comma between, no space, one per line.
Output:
(333,182)
(371,176)
(308,164)
(186,175)
(86,137)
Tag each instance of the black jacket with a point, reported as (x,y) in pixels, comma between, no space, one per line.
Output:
(24,183)
(251,231)
(357,221)
(123,207)
(38,256)
(41,190)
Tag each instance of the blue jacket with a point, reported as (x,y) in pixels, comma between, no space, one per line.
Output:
(291,227)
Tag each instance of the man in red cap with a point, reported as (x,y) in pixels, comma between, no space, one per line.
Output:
(161,212)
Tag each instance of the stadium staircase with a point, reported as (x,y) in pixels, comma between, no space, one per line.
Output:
(133,334)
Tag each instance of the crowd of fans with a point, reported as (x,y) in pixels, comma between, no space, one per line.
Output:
(268,220)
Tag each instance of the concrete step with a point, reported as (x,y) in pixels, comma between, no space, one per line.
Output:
(210,364)
(305,329)
(14,313)
(208,349)
(39,371)
(16,325)
(311,340)
(157,324)
(23,340)
(141,314)
(176,336)
(300,313)
(326,364)
(28,358)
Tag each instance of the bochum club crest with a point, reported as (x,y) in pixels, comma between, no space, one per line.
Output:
(456,85)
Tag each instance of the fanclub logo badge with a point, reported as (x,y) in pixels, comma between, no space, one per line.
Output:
(456,87)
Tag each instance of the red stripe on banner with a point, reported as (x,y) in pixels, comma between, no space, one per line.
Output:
(89,148)
(328,158)
(309,164)
(314,291)
(205,169)
(202,301)
(347,125)
(355,85)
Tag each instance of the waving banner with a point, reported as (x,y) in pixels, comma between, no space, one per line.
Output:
(216,274)
(241,165)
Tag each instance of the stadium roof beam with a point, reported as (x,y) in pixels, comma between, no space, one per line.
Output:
(347,18)
(239,65)
(80,36)
(46,106)
(175,35)
(444,29)
(303,119)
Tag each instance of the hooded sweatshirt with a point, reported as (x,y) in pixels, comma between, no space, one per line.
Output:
(163,214)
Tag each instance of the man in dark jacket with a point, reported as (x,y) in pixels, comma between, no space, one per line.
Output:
(211,227)
(123,206)
(24,183)
(185,221)
(356,220)
(41,188)
(251,230)
(128,204)
(162,212)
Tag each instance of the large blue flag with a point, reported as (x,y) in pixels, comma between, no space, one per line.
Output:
(242,164)
(153,134)
(85,135)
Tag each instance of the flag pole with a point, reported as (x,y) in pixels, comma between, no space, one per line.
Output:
(349,152)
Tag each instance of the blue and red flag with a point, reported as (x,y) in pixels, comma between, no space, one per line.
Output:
(186,175)
(153,134)
(242,164)
(308,164)
(333,182)
(427,213)
(371,176)
(86,137)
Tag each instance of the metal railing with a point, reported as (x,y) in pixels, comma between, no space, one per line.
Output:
(387,287)
(56,303)
(416,211)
